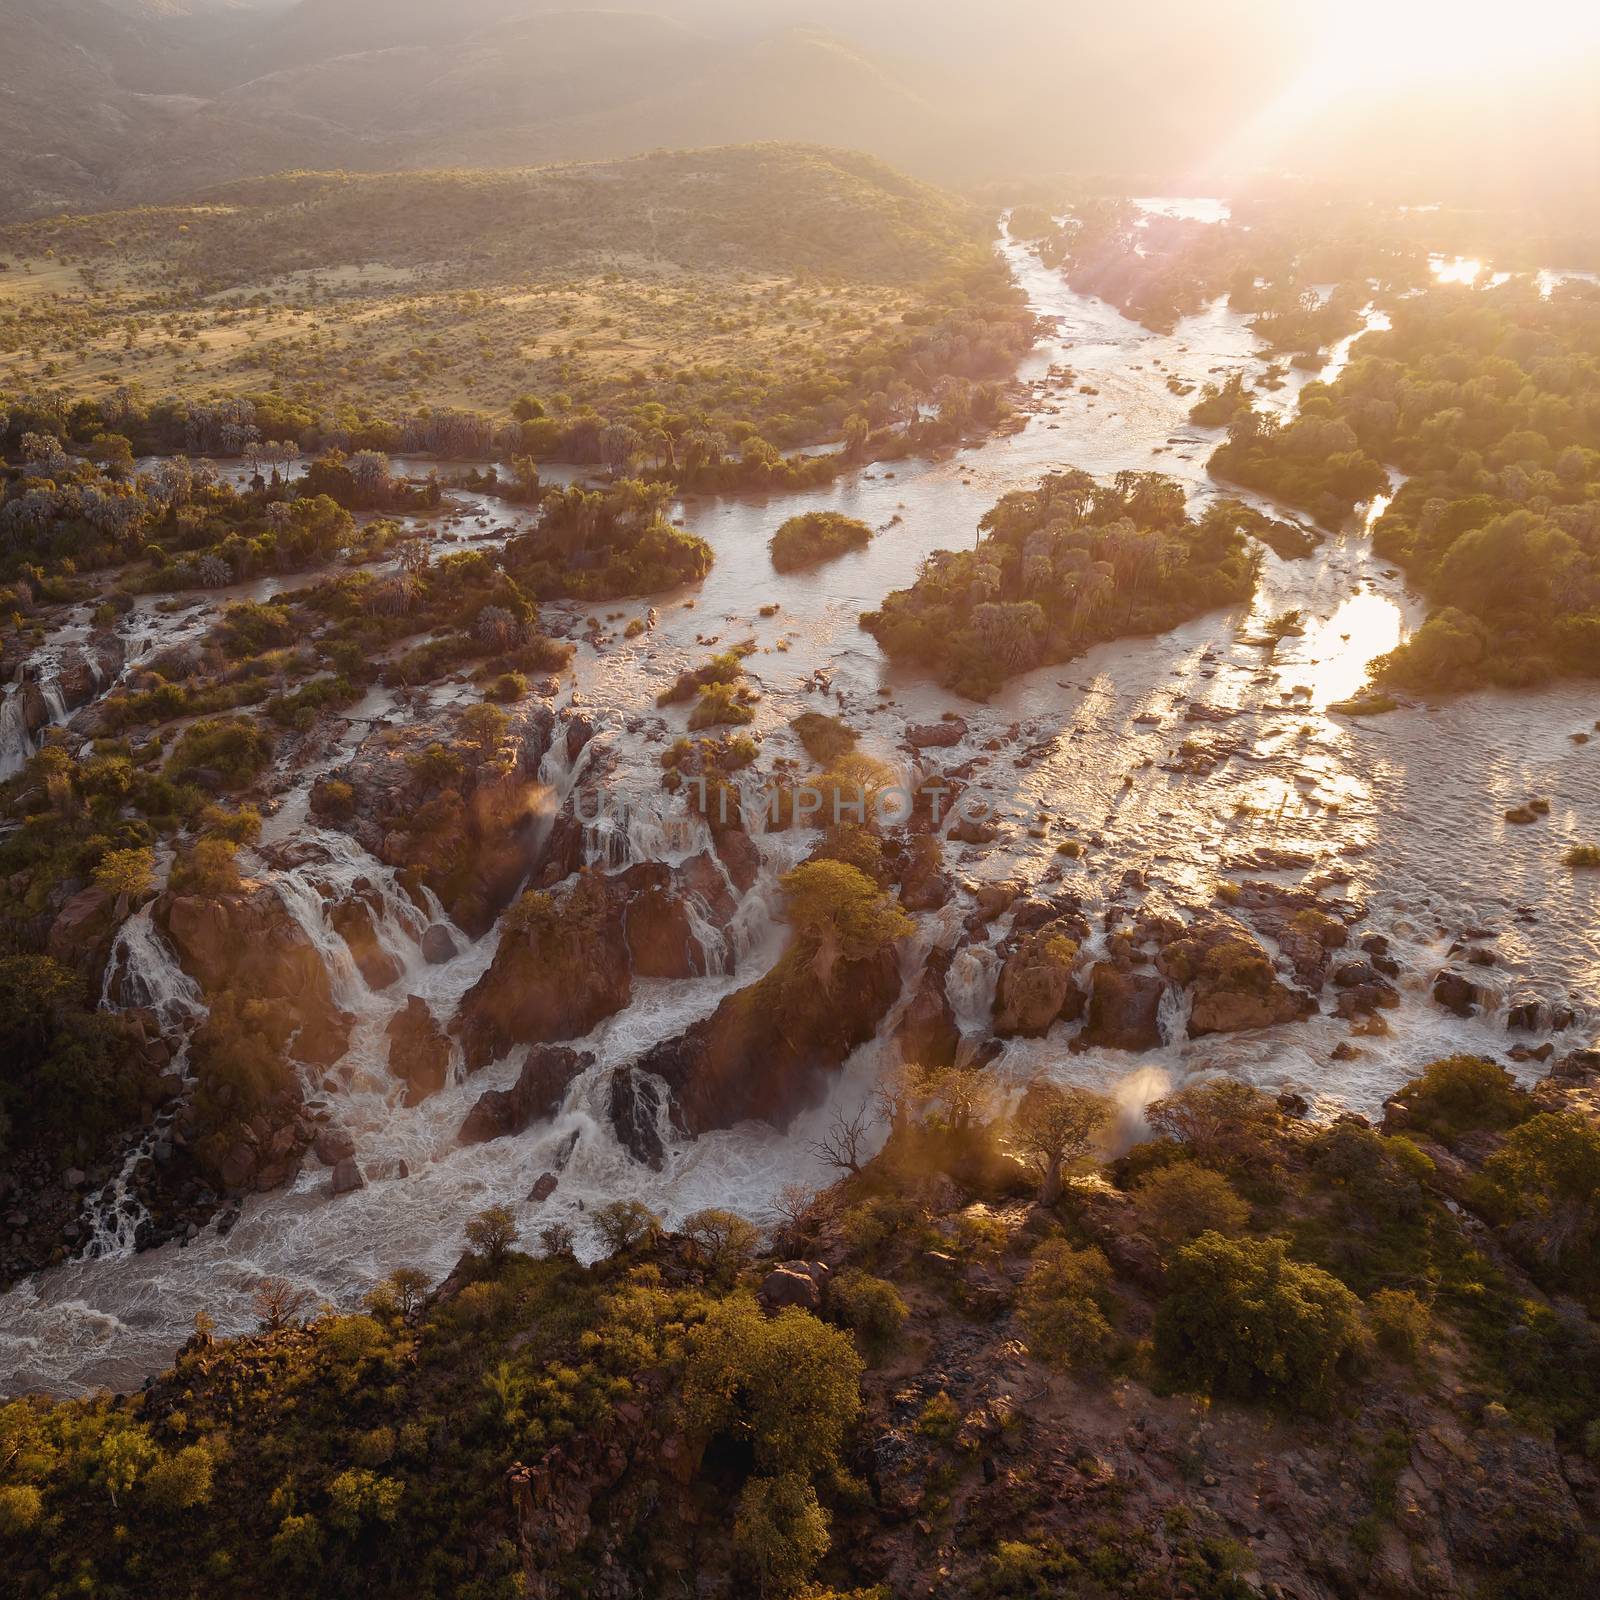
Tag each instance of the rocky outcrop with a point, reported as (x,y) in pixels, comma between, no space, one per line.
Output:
(927,1033)
(1232,979)
(81,936)
(1036,988)
(537,1093)
(568,957)
(763,1053)
(248,943)
(473,833)
(1124,1008)
(562,966)
(419,1052)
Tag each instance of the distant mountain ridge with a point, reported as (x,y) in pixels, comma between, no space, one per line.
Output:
(105,103)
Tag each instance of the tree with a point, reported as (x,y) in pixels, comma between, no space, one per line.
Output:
(126,1453)
(787,1387)
(402,1293)
(1546,1179)
(1064,1303)
(1054,1127)
(493,1234)
(724,1239)
(780,1531)
(1179,1202)
(1243,1318)
(1218,1119)
(625,1225)
(841,1145)
(128,874)
(840,915)
(277,1303)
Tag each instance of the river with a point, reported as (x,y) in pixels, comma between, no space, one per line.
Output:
(1404,813)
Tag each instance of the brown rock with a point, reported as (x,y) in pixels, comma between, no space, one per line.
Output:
(562,967)
(419,1052)
(80,937)
(936,735)
(1036,989)
(536,1094)
(1124,1008)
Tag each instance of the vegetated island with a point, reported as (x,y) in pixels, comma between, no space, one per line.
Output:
(817,536)
(1062,567)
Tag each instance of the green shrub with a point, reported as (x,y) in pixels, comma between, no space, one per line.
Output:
(825,738)
(1064,1303)
(1400,1322)
(234,747)
(870,1307)
(780,1532)
(1178,1203)
(1242,1318)
(180,1482)
(1464,1093)
(209,867)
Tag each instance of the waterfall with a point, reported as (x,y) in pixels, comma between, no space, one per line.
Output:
(970,985)
(143,972)
(1172,1017)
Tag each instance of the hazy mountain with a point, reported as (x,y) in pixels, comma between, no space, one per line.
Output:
(106,101)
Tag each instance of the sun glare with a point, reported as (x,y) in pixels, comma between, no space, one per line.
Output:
(1376,49)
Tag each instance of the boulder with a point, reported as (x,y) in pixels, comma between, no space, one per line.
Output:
(793,1283)
(438,946)
(347,1177)
(1124,1008)
(1036,990)
(1457,993)
(419,1052)
(562,967)
(537,1093)
(544,1186)
(333,1145)
(936,735)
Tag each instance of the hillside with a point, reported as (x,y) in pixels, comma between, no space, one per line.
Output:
(731,269)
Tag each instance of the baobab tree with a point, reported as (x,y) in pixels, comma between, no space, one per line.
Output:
(1055,1127)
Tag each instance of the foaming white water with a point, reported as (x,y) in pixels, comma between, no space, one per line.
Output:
(1403,815)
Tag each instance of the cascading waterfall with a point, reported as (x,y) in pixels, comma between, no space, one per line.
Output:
(115,1319)
(142,972)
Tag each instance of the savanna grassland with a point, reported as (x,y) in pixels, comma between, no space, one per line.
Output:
(738,281)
